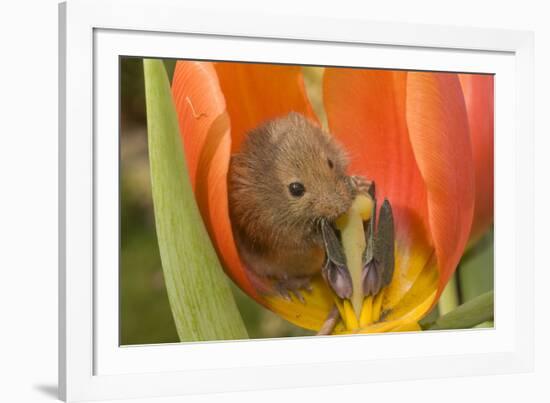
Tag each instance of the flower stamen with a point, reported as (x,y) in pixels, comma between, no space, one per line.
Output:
(361,262)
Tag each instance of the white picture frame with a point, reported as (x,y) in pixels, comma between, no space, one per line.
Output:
(94,33)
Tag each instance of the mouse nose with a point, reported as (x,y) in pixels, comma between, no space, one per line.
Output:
(334,205)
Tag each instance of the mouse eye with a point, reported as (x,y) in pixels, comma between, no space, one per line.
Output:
(330,164)
(296,189)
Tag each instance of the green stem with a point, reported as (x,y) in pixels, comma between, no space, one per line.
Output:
(449,299)
(200,298)
(478,310)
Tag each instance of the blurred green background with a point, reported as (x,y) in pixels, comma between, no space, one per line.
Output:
(145,316)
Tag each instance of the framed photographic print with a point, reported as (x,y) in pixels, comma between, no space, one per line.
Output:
(247,208)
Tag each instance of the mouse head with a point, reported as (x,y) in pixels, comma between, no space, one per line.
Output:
(295,173)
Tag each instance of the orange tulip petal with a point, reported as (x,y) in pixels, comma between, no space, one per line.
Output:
(204,127)
(366,113)
(439,133)
(258,92)
(478,92)
(199,101)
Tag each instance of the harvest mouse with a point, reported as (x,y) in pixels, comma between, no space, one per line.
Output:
(287,182)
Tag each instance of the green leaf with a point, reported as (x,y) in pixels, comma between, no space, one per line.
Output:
(200,297)
(478,310)
(449,298)
(476,272)
(484,325)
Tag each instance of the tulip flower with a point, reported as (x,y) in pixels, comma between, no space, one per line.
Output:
(424,138)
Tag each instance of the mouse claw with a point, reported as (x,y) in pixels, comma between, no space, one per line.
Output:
(282,291)
(299,296)
(293,285)
(362,185)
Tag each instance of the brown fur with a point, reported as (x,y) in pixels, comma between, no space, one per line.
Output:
(278,235)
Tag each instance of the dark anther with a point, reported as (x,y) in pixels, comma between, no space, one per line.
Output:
(335,271)
(372,190)
(378,258)
(372,278)
(338,278)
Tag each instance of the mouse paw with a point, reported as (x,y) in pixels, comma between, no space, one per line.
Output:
(362,185)
(293,285)
(283,287)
